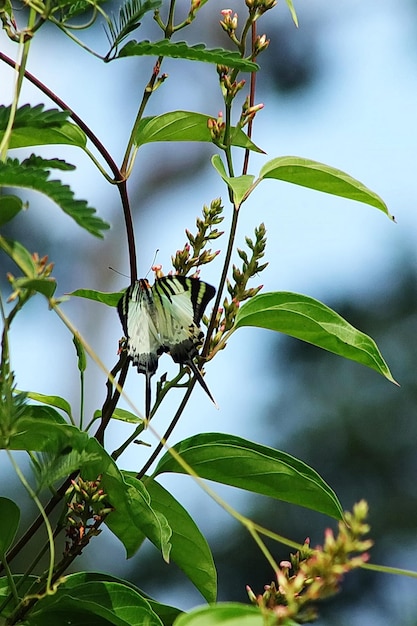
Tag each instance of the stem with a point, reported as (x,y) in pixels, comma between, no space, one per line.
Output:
(50,534)
(20,68)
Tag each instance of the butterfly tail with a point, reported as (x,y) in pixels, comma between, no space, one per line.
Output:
(148,394)
(201,380)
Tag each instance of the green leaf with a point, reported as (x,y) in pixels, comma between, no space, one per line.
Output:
(312,321)
(227,614)
(55,401)
(166,613)
(10,206)
(111,299)
(41,428)
(142,520)
(122,415)
(185,126)
(9,523)
(292,11)
(133,516)
(111,602)
(33,173)
(190,550)
(129,15)
(240,185)
(35,127)
(323,178)
(181,50)
(44,285)
(20,255)
(240,463)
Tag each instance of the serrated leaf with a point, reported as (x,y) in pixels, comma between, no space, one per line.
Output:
(321,177)
(227,614)
(240,185)
(111,299)
(33,126)
(10,206)
(181,50)
(185,126)
(29,175)
(312,321)
(9,523)
(247,465)
(190,550)
(128,20)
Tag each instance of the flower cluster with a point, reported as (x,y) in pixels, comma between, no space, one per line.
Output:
(86,509)
(194,253)
(237,289)
(312,575)
(35,267)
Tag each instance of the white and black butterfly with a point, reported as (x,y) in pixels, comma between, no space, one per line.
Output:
(165,318)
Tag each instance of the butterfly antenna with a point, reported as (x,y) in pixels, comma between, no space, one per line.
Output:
(201,380)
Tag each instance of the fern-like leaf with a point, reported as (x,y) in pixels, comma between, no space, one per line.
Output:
(181,50)
(34,172)
(33,126)
(128,20)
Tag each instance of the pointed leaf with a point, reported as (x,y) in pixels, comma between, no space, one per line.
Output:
(133,516)
(321,177)
(111,299)
(190,550)
(44,285)
(166,613)
(310,320)
(95,602)
(55,401)
(20,255)
(185,126)
(33,126)
(34,174)
(9,523)
(240,463)
(10,206)
(181,50)
(123,416)
(292,11)
(240,185)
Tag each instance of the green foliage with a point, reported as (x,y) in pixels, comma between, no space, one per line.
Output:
(185,126)
(34,126)
(9,523)
(128,21)
(312,321)
(247,465)
(34,172)
(84,477)
(181,50)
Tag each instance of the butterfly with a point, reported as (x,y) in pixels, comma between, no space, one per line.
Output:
(165,318)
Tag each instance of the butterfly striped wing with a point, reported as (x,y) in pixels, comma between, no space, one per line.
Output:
(180,302)
(138,315)
(163,318)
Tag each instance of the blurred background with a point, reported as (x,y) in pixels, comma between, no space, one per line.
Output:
(340,89)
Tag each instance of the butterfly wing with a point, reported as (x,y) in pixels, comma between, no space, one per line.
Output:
(180,303)
(138,315)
